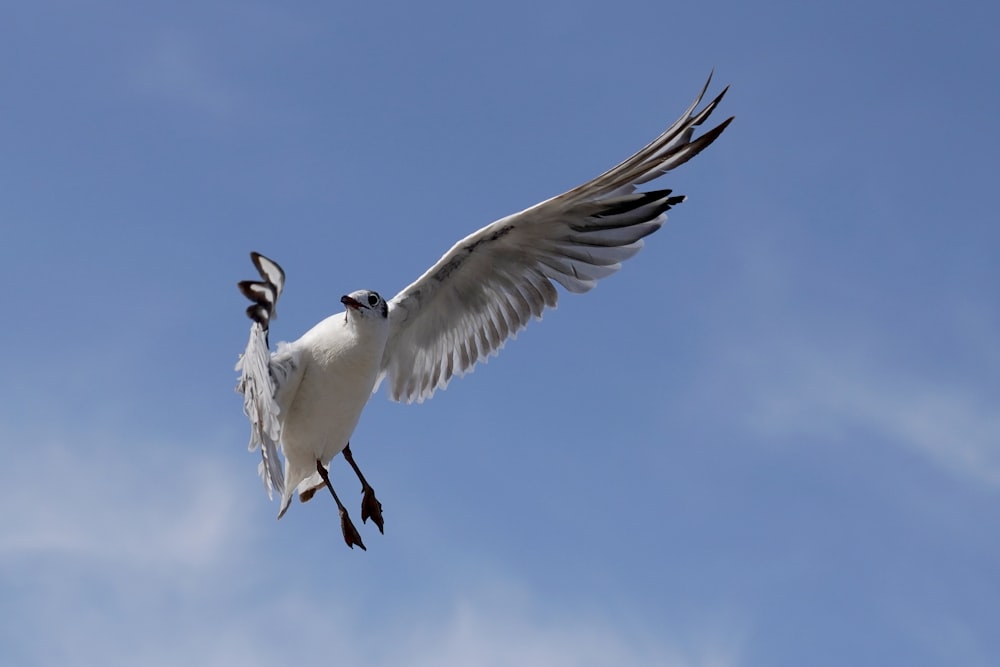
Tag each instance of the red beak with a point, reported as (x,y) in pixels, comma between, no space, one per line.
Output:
(351,303)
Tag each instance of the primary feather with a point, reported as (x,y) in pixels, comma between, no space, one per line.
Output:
(491,283)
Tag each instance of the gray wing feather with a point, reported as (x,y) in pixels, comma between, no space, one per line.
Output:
(490,284)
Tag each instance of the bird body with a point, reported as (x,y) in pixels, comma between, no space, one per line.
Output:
(306,399)
(336,364)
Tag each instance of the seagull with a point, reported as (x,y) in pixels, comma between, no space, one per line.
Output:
(304,400)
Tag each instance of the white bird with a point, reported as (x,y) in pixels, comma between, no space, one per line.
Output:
(305,399)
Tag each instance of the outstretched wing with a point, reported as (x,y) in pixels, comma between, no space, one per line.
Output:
(266,380)
(489,285)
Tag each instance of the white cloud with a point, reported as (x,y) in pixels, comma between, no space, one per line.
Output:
(499,629)
(826,387)
(485,628)
(139,507)
(138,555)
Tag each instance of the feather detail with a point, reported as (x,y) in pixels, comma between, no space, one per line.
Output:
(489,285)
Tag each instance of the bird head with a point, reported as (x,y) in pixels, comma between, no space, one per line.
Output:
(365,303)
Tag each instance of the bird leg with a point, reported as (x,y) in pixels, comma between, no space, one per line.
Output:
(351,535)
(370,506)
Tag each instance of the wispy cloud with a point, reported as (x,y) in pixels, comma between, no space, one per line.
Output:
(501,623)
(825,387)
(139,556)
(477,631)
(141,509)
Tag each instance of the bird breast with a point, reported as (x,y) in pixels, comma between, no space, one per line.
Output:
(341,362)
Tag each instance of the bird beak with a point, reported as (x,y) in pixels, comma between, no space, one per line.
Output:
(351,303)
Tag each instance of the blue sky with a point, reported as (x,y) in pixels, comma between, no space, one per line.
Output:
(771,439)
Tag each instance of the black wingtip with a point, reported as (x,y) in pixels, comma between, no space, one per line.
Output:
(258,292)
(259,314)
(705,140)
(256,257)
(263,293)
(708,81)
(269,270)
(707,110)
(718,129)
(630,202)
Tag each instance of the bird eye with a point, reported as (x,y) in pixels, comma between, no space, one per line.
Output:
(373,300)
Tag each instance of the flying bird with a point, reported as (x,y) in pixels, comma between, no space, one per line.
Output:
(304,400)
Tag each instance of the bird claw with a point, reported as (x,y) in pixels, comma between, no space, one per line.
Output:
(371,508)
(351,536)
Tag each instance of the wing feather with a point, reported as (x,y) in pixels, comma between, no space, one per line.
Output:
(267,381)
(489,285)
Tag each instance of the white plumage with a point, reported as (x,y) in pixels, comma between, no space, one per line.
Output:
(305,400)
